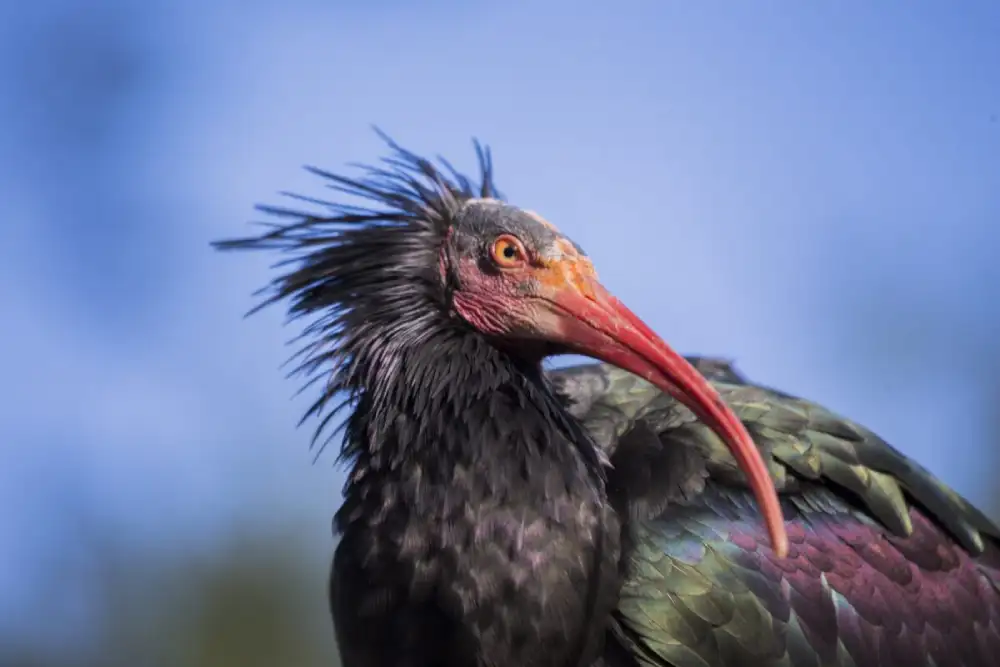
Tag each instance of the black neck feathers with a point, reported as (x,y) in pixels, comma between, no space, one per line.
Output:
(381,335)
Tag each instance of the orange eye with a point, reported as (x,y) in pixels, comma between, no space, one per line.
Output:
(508,252)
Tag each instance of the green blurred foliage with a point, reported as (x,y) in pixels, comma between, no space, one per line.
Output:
(257,601)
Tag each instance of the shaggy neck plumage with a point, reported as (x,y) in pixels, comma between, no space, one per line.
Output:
(423,386)
(446,397)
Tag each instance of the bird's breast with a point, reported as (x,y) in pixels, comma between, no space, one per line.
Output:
(521,576)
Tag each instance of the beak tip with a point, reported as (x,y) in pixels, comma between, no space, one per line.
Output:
(780,544)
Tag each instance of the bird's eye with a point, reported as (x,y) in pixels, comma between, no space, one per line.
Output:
(508,251)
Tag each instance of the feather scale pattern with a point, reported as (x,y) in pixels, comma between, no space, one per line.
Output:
(887,567)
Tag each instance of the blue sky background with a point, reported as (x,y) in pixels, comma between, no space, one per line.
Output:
(810,188)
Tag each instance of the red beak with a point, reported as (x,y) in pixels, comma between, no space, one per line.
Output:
(603,328)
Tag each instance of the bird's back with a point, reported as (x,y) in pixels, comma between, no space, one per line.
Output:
(887,566)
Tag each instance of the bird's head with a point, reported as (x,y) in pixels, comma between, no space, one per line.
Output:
(512,276)
(442,250)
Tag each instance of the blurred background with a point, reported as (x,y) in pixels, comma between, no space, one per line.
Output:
(810,188)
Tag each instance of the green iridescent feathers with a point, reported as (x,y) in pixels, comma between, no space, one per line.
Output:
(801,441)
(871,578)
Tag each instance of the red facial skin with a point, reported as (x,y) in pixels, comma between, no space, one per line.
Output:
(555,297)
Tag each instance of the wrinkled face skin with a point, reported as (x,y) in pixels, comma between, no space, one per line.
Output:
(512,266)
(531,289)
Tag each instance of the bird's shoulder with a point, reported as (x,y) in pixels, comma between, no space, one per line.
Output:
(672,453)
(873,576)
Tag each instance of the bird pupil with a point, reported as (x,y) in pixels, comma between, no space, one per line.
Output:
(509,252)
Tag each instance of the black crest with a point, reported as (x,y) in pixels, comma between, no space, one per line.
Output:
(366,278)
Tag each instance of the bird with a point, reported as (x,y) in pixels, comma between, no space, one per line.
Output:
(642,508)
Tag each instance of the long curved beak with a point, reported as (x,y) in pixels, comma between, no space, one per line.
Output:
(596,324)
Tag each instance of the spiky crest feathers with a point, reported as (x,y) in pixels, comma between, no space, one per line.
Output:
(370,296)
